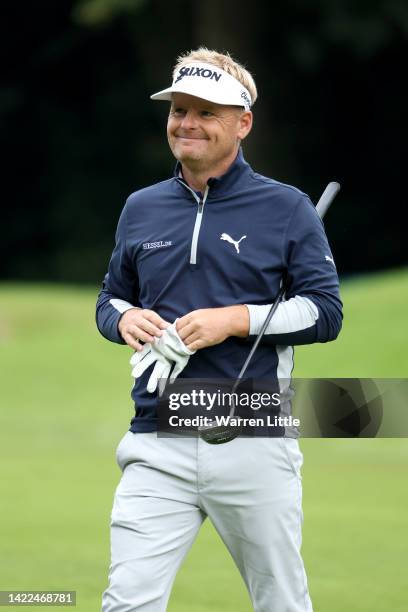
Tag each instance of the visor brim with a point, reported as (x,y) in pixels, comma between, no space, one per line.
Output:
(209,96)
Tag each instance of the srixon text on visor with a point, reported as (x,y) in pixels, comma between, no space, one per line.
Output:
(195,71)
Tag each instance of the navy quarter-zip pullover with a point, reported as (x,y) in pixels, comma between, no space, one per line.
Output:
(178,251)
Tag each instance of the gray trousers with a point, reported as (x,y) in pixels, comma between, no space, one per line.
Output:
(250,489)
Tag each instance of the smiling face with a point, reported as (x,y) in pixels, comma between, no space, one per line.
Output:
(203,135)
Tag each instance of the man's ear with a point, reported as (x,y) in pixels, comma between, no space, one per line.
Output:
(245,121)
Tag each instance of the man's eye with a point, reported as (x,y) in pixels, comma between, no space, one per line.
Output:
(178,111)
(206,113)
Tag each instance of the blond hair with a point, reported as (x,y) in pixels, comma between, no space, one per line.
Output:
(223,61)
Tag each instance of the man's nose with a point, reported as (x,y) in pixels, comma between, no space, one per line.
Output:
(189,121)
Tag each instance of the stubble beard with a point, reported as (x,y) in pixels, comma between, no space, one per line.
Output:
(198,162)
(194,160)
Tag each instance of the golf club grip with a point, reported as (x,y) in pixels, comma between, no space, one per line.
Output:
(322,207)
(327,198)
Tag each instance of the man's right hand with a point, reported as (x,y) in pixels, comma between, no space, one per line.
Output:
(140,324)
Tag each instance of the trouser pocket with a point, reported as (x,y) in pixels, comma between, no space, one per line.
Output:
(293,455)
(124,450)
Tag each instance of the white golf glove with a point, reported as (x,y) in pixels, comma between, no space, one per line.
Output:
(166,351)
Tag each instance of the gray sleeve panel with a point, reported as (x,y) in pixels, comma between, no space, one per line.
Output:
(293,323)
(294,315)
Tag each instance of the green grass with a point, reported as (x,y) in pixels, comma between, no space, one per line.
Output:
(65,404)
(373,341)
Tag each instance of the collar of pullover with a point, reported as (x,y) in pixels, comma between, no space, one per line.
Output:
(226,183)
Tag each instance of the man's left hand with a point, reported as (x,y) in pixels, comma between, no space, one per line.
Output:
(208,326)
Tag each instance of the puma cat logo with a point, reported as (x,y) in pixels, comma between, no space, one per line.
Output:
(228,238)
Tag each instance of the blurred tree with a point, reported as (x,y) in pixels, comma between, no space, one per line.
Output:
(102,12)
(80,133)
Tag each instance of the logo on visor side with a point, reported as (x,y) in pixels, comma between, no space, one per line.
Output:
(206,73)
(244,96)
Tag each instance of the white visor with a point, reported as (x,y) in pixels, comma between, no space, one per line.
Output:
(209,83)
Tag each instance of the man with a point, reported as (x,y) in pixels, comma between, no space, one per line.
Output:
(198,260)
